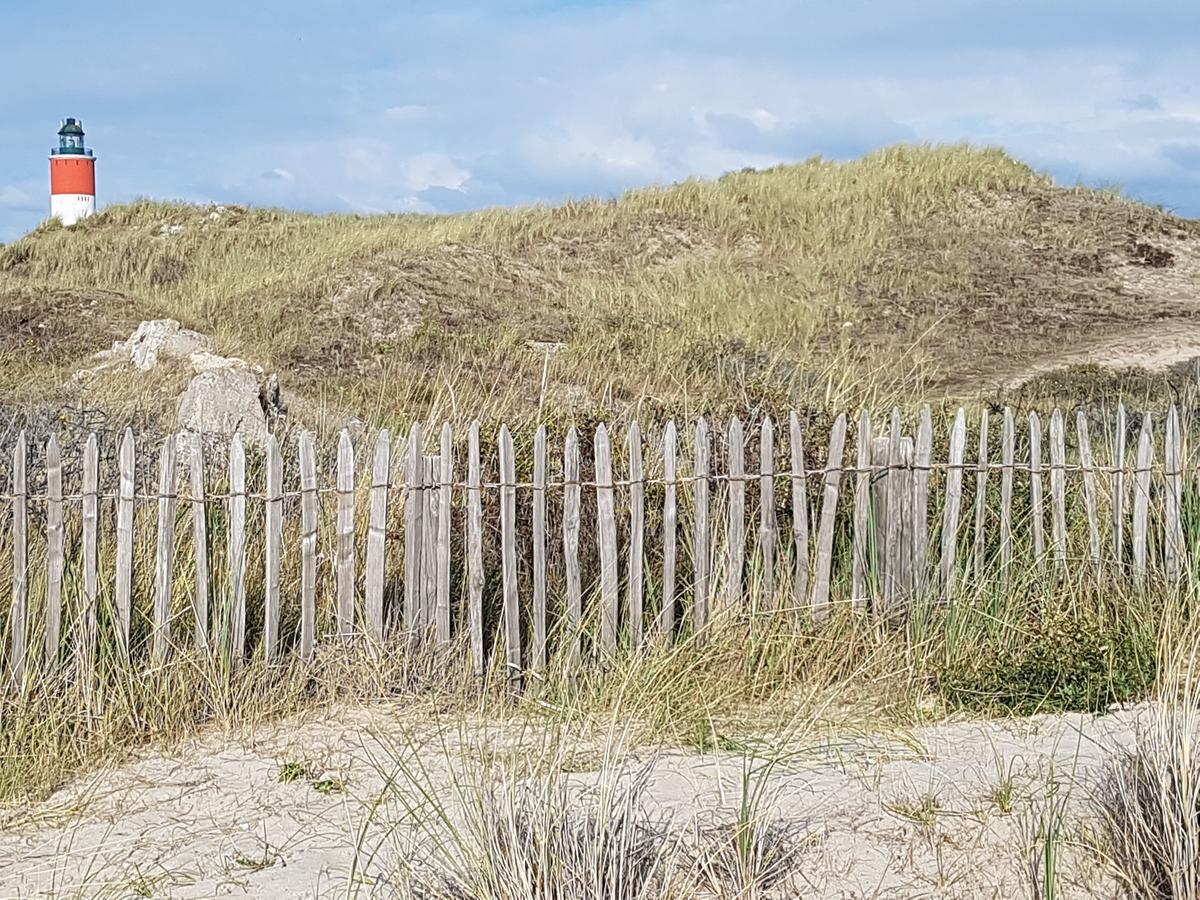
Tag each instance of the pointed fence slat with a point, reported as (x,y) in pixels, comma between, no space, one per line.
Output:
(892,587)
(89,618)
(1007,461)
(572,492)
(377,538)
(234,618)
(981,478)
(413,517)
(1038,517)
(445,497)
(922,462)
(475,549)
(606,536)
(537,657)
(767,525)
(201,596)
(862,515)
(429,532)
(55,559)
(1118,487)
(1141,497)
(125,511)
(701,567)
(164,555)
(308,546)
(1088,465)
(735,527)
(829,502)
(273,552)
(345,536)
(666,613)
(1058,491)
(508,545)
(1173,495)
(635,581)
(799,514)
(19,609)
(953,508)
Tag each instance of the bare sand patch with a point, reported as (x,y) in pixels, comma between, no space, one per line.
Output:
(955,809)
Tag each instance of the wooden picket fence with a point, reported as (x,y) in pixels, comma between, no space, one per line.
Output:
(669,532)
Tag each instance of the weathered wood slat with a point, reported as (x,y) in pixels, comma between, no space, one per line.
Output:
(666,613)
(18,618)
(922,463)
(981,479)
(377,538)
(635,581)
(475,549)
(767,524)
(1058,491)
(1118,487)
(164,555)
(906,577)
(1088,465)
(429,530)
(55,559)
(201,597)
(735,526)
(1038,517)
(606,536)
(537,656)
(953,508)
(861,550)
(572,492)
(701,567)
(445,498)
(1141,497)
(1173,548)
(345,536)
(234,619)
(892,588)
(508,545)
(413,518)
(1007,462)
(89,618)
(829,501)
(308,546)
(799,513)
(125,511)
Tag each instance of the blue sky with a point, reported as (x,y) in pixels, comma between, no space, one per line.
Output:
(392,106)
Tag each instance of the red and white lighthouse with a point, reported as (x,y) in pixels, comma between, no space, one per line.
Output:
(72,175)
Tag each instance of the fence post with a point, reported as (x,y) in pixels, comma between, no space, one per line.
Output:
(538,656)
(308,546)
(377,538)
(767,524)
(700,542)
(666,615)
(571,513)
(475,549)
(18,619)
(950,517)
(829,502)
(635,585)
(200,600)
(860,589)
(508,542)
(799,513)
(55,560)
(235,627)
(125,512)
(606,535)
(164,556)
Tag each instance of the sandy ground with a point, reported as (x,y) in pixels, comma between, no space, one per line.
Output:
(895,815)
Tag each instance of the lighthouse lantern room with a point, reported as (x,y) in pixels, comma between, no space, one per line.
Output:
(72,175)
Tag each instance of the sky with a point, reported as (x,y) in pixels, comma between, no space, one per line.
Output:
(384,105)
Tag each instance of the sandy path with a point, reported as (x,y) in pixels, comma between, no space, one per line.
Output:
(213,820)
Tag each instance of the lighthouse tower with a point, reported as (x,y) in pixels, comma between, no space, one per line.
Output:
(72,175)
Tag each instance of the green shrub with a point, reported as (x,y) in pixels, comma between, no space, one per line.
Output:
(1058,662)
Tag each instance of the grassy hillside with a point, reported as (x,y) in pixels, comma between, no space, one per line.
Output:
(915,270)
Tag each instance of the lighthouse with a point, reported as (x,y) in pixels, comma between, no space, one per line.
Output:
(72,175)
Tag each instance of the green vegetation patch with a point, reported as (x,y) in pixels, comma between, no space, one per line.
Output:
(1056,662)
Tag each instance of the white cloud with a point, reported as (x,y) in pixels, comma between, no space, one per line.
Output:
(411,112)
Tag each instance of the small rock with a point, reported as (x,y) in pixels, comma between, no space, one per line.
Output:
(224,402)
